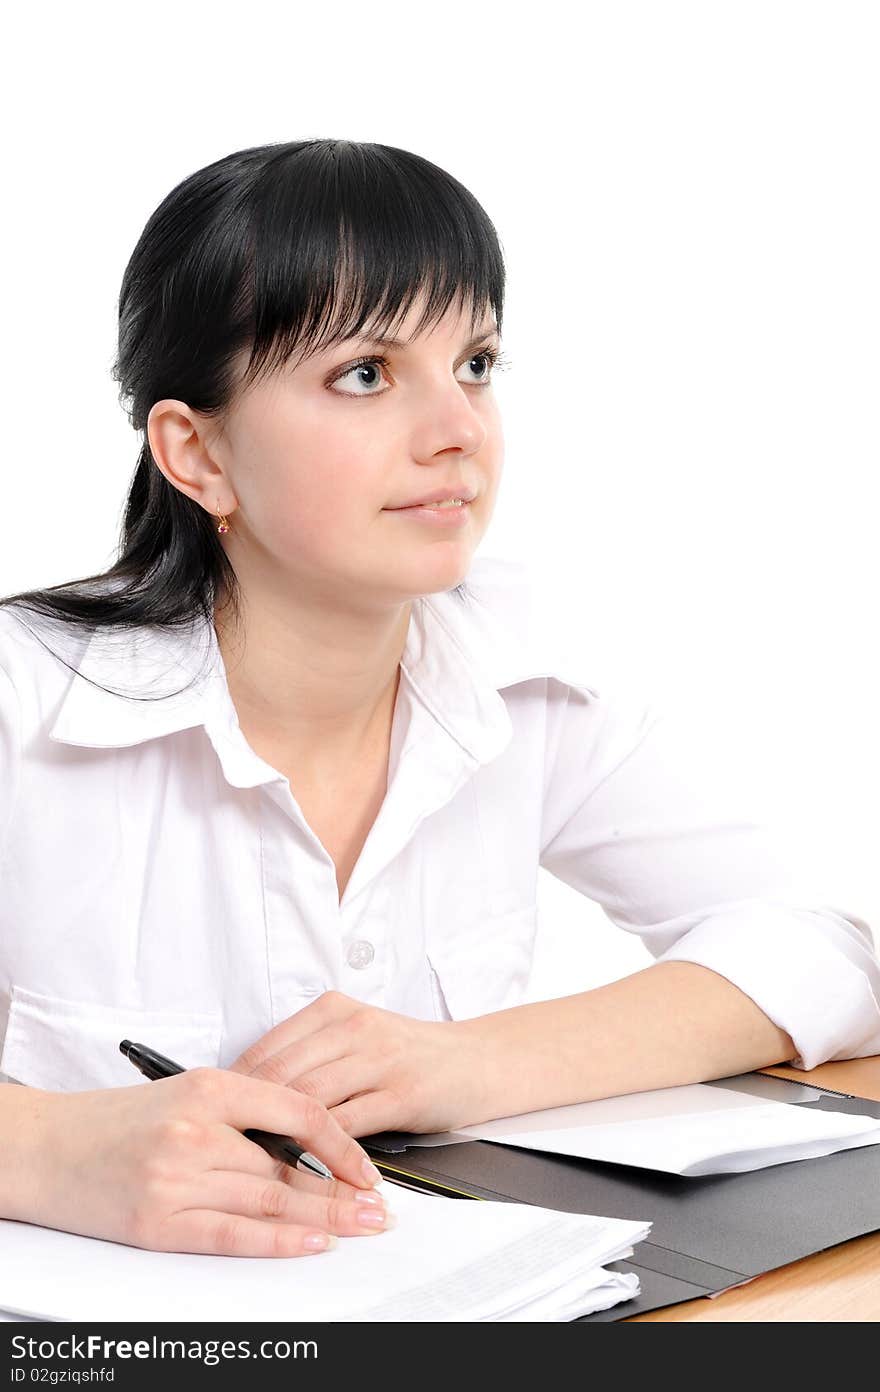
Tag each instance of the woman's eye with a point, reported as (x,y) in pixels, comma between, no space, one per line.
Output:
(488,361)
(363,377)
(365,374)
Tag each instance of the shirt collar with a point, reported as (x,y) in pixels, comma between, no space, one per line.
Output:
(459,655)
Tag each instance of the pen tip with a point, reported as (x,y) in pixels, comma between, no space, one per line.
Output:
(124,1047)
(316,1166)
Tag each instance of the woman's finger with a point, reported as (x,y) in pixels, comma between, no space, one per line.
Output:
(337,1081)
(369,1113)
(236,1152)
(243,1103)
(329,1008)
(209,1232)
(270,1200)
(335,1188)
(291,1060)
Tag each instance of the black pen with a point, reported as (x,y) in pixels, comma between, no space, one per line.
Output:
(154,1066)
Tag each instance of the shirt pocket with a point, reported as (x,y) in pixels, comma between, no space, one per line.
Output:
(485,968)
(73,1046)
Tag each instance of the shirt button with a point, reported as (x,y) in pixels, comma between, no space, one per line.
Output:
(360,955)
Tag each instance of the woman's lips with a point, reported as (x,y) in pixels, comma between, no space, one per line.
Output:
(445,516)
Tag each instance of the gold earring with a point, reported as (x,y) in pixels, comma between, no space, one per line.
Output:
(224,525)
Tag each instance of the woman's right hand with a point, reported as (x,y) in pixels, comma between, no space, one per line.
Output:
(164,1165)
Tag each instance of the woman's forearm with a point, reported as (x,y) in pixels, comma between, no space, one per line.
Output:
(673,1023)
(22,1113)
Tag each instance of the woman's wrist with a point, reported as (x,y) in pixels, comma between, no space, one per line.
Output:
(24,1152)
(513,1059)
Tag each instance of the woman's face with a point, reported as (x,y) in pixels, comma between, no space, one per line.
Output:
(322,458)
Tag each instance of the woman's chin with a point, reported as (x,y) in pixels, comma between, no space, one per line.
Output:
(439,572)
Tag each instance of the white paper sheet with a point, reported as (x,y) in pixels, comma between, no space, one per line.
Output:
(692,1130)
(448,1259)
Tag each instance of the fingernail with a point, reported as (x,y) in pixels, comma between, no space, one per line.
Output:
(368,1196)
(318,1242)
(371,1218)
(370,1173)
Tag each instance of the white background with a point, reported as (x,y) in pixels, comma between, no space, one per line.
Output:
(687,199)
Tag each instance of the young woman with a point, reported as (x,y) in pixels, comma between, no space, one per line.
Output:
(275,788)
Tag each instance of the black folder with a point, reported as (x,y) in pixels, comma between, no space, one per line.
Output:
(709,1232)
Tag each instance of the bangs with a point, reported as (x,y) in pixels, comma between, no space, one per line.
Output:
(345,236)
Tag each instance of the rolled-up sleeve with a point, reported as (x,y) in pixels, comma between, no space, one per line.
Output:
(655,825)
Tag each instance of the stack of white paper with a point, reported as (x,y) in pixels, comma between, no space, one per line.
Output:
(447,1260)
(691,1130)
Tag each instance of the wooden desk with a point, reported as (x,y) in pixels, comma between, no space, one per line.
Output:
(840,1284)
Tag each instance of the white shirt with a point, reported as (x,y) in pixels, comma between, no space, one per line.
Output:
(160,883)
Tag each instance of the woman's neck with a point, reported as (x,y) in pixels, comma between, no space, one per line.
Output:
(320,687)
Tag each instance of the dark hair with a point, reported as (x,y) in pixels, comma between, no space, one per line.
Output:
(283,248)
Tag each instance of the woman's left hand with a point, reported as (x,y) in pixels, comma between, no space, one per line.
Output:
(372,1069)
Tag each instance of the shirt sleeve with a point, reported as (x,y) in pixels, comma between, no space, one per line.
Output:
(10,756)
(659,828)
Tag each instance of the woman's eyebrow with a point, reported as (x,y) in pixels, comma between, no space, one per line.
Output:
(401,343)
